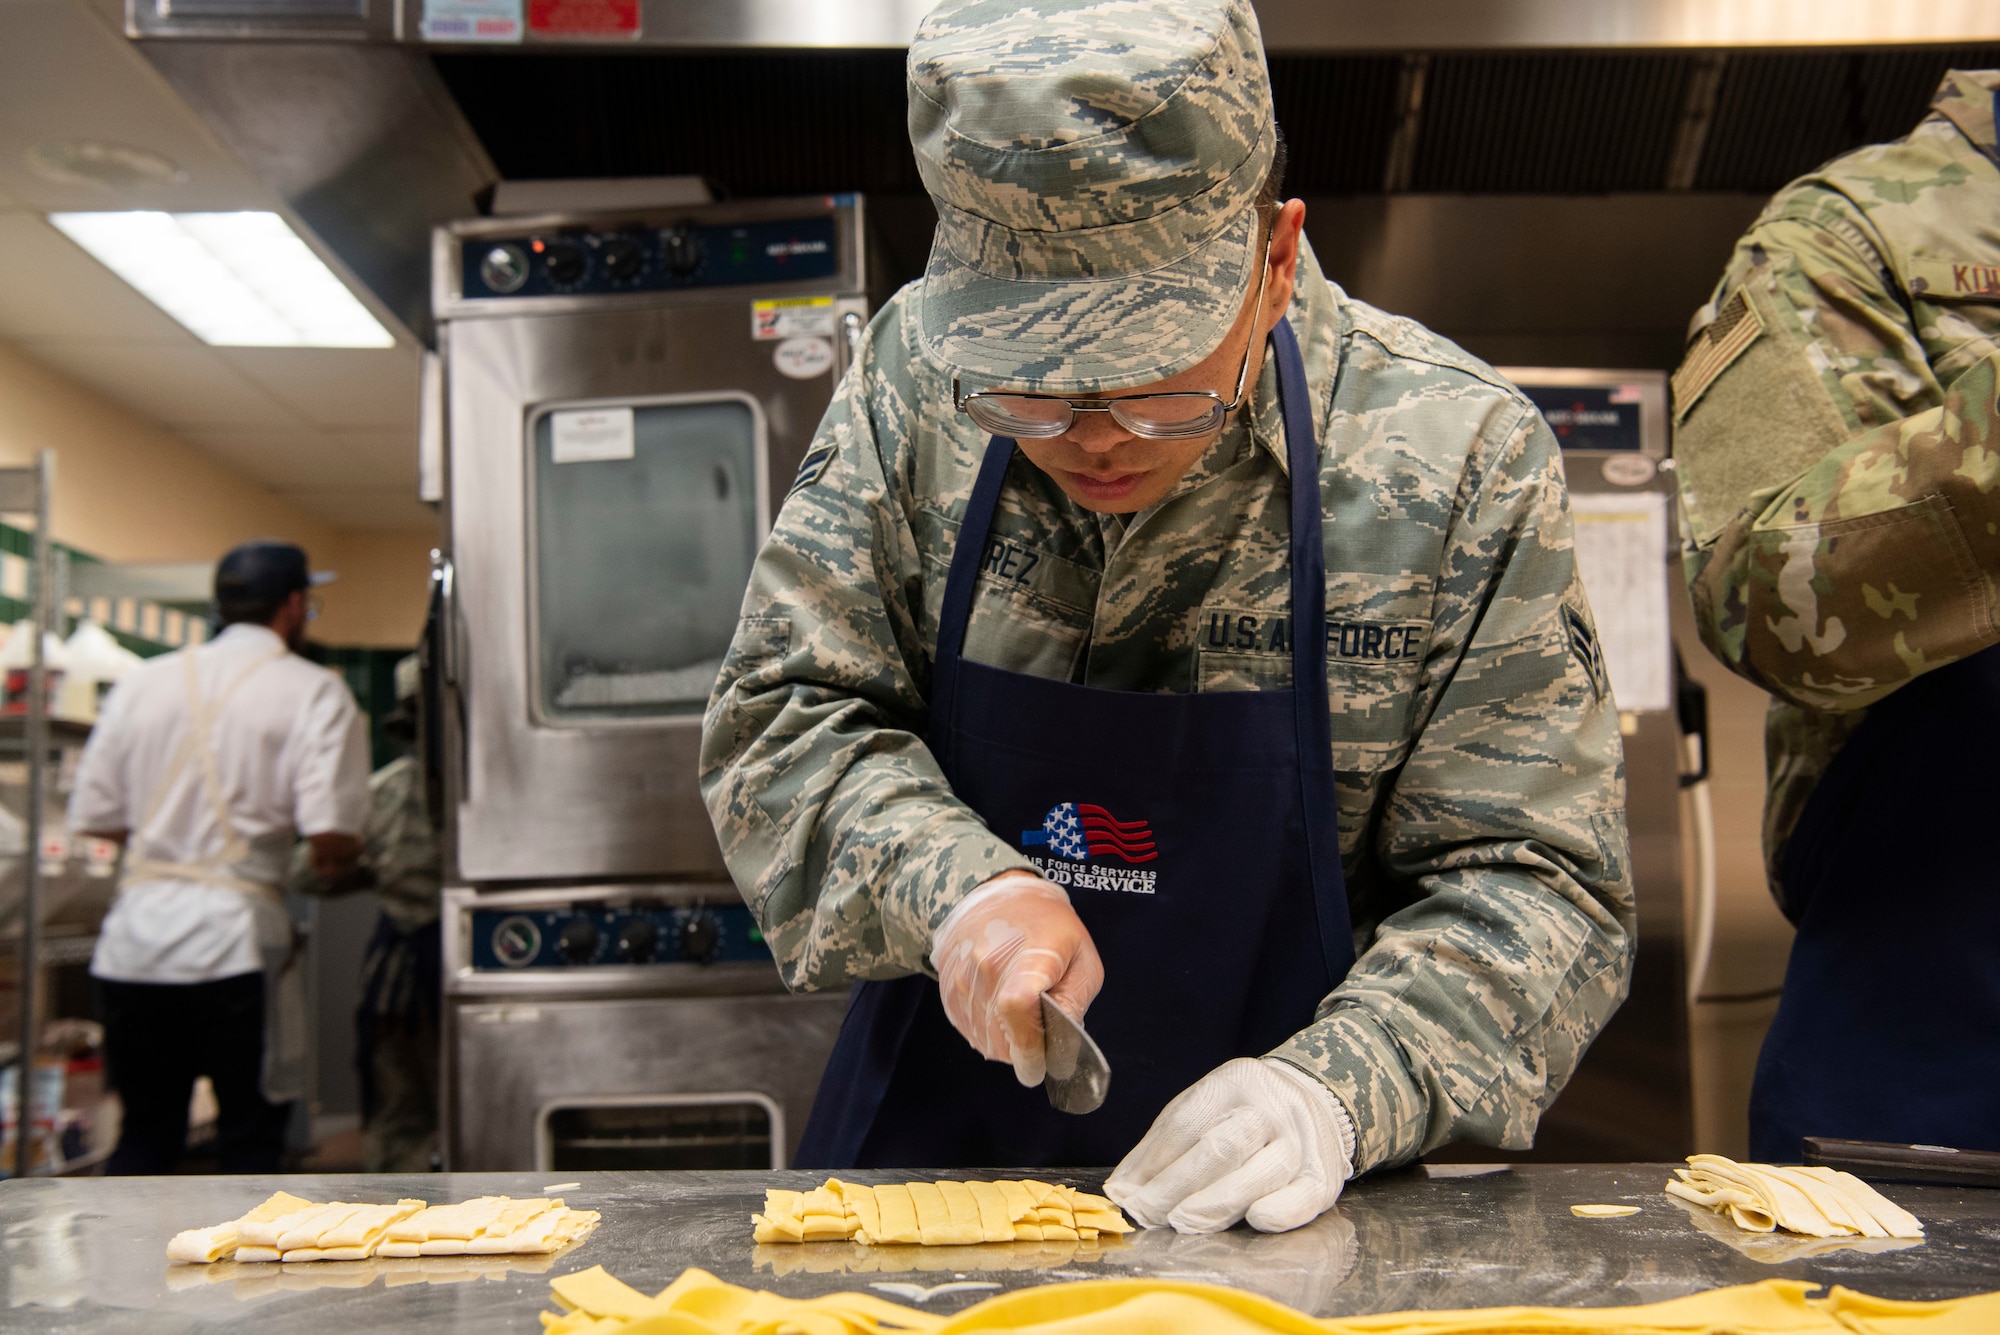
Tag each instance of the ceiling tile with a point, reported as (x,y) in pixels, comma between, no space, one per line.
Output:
(366,507)
(304,457)
(275,458)
(51,289)
(389,457)
(176,387)
(338,387)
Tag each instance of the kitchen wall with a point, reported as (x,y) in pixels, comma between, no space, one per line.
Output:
(127,491)
(379,599)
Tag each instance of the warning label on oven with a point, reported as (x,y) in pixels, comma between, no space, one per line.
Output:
(792,317)
(590,435)
(472,20)
(583,18)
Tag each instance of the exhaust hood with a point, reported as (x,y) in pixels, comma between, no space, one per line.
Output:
(374,136)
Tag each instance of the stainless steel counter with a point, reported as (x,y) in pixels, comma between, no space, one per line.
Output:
(89,1254)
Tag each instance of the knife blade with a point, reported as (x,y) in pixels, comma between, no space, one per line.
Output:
(1078,1076)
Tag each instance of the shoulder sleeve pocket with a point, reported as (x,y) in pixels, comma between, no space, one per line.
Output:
(759,640)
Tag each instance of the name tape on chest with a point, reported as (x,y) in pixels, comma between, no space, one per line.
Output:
(1009,561)
(1948,280)
(1244,631)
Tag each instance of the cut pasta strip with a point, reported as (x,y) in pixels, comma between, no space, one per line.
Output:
(1813,1202)
(545,1232)
(597,1304)
(899,1215)
(201,1246)
(936,1214)
(307,1232)
(460,1223)
(292,1230)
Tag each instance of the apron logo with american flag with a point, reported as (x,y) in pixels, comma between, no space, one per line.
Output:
(1080,834)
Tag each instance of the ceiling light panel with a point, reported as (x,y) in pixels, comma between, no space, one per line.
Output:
(234,279)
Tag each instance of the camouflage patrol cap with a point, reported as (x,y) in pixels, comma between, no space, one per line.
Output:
(1094,164)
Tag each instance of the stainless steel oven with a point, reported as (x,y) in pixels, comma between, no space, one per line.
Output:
(625,399)
(627,1026)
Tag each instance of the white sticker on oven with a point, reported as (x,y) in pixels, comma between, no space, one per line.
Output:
(803,358)
(472,20)
(590,435)
(792,317)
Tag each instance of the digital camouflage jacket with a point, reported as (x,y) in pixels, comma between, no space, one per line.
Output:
(401,849)
(1481,796)
(1839,469)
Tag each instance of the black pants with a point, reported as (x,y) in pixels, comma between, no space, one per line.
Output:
(157,1038)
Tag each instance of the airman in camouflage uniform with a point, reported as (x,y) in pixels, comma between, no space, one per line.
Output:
(1837,442)
(1840,479)
(1480,795)
(396,1021)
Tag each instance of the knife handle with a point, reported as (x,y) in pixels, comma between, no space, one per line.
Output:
(1887,1162)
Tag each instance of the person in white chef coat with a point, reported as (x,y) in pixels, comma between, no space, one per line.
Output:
(209,764)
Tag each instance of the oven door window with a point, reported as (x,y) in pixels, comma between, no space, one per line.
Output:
(645,519)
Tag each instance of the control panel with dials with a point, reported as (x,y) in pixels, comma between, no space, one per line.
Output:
(591,261)
(582,935)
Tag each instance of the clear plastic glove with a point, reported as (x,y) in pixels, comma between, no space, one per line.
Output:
(1009,941)
(1254,1139)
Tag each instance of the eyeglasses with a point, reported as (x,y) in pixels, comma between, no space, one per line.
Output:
(1181,415)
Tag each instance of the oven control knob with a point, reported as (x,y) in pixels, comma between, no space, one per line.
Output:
(566,262)
(700,936)
(504,269)
(638,941)
(578,940)
(682,252)
(622,258)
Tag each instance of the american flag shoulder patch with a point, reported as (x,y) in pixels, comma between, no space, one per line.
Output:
(1734,328)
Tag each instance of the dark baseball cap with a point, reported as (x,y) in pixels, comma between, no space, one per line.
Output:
(264,572)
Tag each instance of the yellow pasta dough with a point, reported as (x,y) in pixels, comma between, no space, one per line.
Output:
(698,1303)
(936,1214)
(1816,1202)
(899,1215)
(289,1229)
(200,1246)
(995,1224)
(933,1215)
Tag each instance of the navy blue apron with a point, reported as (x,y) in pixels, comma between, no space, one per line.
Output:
(1196,836)
(1890,1024)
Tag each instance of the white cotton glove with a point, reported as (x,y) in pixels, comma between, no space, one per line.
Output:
(1256,1139)
(997,951)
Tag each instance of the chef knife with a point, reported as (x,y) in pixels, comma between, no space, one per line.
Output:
(1878,1162)
(1078,1076)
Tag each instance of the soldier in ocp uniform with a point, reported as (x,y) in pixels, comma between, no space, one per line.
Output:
(1135,557)
(1840,503)
(396,1019)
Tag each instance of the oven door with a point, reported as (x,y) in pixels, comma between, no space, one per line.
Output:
(610,485)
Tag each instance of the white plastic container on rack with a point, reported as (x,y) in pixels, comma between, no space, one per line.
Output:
(93,662)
